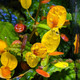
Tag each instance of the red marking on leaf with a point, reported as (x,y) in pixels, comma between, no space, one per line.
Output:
(35,52)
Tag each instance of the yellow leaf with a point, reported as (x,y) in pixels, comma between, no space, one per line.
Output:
(56,16)
(39,50)
(9,60)
(61,64)
(31,59)
(3,45)
(26,3)
(51,40)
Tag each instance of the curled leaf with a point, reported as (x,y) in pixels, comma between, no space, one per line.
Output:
(51,40)
(31,59)
(39,49)
(26,3)
(76,44)
(61,64)
(43,73)
(9,60)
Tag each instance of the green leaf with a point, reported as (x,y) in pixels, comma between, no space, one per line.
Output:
(16,48)
(63,75)
(27,48)
(64,46)
(30,23)
(29,75)
(12,72)
(69,16)
(72,73)
(68,78)
(45,61)
(7,30)
(78,74)
(42,29)
(44,26)
(71,65)
(52,69)
(41,32)
(78,65)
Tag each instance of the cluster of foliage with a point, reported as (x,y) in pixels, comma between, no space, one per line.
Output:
(36,48)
